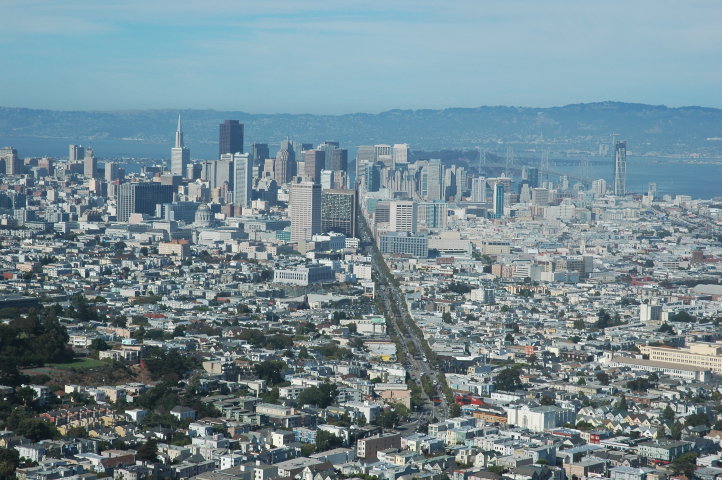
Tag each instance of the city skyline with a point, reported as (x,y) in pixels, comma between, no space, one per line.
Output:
(409,55)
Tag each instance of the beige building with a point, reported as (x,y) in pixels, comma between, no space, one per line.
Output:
(180,249)
(705,355)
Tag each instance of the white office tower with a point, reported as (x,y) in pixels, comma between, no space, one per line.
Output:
(402,216)
(540,196)
(478,189)
(305,210)
(525,193)
(242,179)
(76,153)
(90,164)
(112,171)
(400,153)
(652,191)
(599,187)
(383,155)
(620,168)
(180,156)
(650,313)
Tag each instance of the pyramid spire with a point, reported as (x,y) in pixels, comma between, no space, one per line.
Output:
(179,134)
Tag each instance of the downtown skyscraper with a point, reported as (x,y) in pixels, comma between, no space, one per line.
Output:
(304,208)
(230,137)
(180,155)
(620,168)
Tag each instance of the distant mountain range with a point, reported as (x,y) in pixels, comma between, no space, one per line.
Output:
(648,129)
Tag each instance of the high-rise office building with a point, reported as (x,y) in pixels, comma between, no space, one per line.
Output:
(652,191)
(433,215)
(112,172)
(314,162)
(620,168)
(435,180)
(599,187)
(478,189)
(141,198)
(499,200)
(304,208)
(13,165)
(338,212)
(259,153)
(402,216)
(217,172)
(242,179)
(383,154)
(372,177)
(532,174)
(336,158)
(400,153)
(284,167)
(540,196)
(365,156)
(90,164)
(76,153)
(230,137)
(180,155)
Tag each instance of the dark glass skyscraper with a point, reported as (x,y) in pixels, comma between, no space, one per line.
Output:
(230,138)
(338,212)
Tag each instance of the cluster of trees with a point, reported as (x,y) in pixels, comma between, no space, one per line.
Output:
(269,340)
(604,320)
(332,350)
(681,316)
(321,396)
(458,287)
(81,309)
(24,422)
(32,340)
(391,417)
(168,365)
(271,371)
(508,379)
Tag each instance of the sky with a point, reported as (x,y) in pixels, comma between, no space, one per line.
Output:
(344,56)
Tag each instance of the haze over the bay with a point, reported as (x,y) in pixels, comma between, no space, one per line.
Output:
(326,57)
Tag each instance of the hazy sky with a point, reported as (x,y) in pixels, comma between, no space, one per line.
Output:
(340,56)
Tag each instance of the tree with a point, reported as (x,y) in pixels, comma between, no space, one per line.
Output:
(675,431)
(666,328)
(509,338)
(9,461)
(388,418)
(446,317)
(547,400)
(508,379)
(668,414)
(685,464)
(148,452)
(271,371)
(603,378)
(681,316)
(321,396)
(621,404)
(326,441)
(99,344)
(454,410)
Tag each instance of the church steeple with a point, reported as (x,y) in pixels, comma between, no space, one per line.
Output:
(179,134)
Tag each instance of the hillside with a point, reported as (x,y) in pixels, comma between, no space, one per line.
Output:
(647,128)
